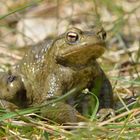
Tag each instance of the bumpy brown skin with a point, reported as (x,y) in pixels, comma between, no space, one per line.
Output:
(50,69)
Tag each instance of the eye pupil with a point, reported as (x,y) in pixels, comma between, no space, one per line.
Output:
(72,37)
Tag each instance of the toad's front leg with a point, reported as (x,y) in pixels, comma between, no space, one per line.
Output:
(55,106)
(103,90)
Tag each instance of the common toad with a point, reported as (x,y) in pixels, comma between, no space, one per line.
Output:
(52,68)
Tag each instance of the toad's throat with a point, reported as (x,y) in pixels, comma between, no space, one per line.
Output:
(81,54)
(96,48)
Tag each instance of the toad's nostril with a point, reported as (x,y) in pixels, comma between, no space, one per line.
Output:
(11,78)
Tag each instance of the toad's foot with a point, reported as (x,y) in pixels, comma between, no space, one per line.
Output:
(105,113)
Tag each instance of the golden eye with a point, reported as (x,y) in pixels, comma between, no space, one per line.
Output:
(72,37)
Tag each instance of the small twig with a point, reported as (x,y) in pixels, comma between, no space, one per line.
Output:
(135,111)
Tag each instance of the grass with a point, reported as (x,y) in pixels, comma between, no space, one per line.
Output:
(124,125)
(120,62)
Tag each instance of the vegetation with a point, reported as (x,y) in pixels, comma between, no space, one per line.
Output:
(26,22)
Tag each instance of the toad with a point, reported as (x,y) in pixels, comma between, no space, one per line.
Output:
(52,68)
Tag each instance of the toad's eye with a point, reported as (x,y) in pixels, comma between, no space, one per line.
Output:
(72,37)
(102,35)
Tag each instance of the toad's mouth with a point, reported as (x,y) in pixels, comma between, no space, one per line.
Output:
(81,54)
